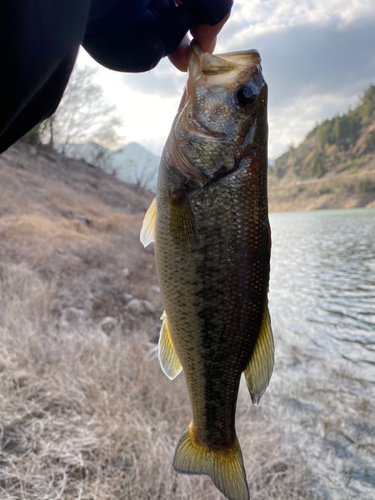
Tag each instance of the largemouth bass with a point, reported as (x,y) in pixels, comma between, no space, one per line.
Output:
(209,222)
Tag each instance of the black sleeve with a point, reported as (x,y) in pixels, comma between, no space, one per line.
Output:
(134,36)
(39,40)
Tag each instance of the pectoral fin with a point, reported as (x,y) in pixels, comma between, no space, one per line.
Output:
(169,361)
(148,226)
(259,369)
(181,217)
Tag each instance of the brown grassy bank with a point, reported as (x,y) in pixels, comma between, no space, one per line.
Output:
(335,190)
(88,415)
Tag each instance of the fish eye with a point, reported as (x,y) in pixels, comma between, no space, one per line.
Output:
(246,96)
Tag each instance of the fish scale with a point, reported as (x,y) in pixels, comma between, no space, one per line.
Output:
(212,252)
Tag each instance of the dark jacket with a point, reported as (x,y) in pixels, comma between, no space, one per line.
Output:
(39,40)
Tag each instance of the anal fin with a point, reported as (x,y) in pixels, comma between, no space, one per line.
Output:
(225,468)
(169,362)
(148,226)
(259,369)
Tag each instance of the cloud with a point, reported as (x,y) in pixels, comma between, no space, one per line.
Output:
(251,19)
(318,56)
(307,60)
(164,80)
(316,60)
(306,47)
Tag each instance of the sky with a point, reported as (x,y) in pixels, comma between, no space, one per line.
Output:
(318,57)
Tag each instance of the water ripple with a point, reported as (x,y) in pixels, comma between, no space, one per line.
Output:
(322,280)
(322,303)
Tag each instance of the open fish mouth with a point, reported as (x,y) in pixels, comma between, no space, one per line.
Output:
(221,69)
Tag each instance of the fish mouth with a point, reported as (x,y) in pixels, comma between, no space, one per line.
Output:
(220,69)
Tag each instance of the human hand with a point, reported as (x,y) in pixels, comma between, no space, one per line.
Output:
(205,34)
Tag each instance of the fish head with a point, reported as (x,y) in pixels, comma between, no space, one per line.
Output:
(222,117)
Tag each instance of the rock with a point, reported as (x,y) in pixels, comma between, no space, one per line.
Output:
(21,378)
(125,272)
(139,307)
(72,314)
(127,296)
(81,218)
(108,324)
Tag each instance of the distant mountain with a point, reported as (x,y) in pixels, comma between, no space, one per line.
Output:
(137,165)
(133,163)
(334,167)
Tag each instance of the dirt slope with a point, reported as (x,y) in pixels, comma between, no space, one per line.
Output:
(74,224)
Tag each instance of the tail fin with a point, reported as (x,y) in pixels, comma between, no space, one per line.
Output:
(225,469)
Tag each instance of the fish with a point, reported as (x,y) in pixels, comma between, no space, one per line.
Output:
(212,243)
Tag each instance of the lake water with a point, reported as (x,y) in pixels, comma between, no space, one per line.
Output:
(322,304)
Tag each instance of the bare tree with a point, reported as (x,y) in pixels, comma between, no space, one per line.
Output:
(143,174)
(101,157)
(83,114)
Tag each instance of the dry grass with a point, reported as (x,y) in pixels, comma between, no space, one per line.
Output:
(86,262)
(89,416)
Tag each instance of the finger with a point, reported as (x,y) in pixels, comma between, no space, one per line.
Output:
(179,58)
(206,34)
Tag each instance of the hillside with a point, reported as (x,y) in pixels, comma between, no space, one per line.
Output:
(73,223)
(137,165)
(334,167)
(132,163)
